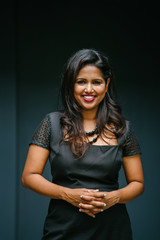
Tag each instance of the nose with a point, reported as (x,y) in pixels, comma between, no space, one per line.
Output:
(89,88)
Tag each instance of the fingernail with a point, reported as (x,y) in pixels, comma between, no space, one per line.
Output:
(101,210)
(80,210)
(79,204)
(105,194)
(81,196)
(105,205)
(94,216)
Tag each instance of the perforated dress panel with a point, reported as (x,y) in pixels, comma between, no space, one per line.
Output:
(41,136)
(131,145)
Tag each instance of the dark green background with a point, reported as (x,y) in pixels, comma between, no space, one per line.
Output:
(36,40)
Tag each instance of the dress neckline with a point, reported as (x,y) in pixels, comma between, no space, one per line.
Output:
(104,145)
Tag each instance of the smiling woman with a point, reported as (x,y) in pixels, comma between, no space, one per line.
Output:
(90,87)
(86,143)
(89,99)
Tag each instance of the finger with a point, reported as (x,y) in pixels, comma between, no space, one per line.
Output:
(92,205)
(93,211)
(87,198)
(97,210)
(90,197)
(93,190)
(98,194)
(87,212)
(85,206)
(98,204)
(94,194)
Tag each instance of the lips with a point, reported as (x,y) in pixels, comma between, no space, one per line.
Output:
(88,98)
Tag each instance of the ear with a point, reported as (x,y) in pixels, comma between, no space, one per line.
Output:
(108,81)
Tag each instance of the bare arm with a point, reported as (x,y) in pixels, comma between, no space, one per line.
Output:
(134,175)
(32,179)
(32,174)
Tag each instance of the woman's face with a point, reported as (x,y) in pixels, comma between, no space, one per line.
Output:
(90,87)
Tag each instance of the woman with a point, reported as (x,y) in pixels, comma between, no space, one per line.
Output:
(86,144)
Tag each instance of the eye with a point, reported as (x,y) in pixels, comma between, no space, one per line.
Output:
(81,82)
(97,82)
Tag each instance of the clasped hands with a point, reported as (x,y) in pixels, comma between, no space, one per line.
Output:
(91,201)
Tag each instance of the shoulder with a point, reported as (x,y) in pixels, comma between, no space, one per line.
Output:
(128,127)
(55,114)
(129,131)
(54,119)
(131,145)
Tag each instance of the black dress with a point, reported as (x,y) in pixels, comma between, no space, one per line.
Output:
(98,169)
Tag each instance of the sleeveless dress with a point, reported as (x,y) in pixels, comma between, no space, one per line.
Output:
(98,169)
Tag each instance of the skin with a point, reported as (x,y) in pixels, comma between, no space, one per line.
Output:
(89,82)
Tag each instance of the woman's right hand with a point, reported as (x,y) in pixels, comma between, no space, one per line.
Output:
(94,205)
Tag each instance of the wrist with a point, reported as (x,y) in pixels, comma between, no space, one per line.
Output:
(63,193)
(117,196)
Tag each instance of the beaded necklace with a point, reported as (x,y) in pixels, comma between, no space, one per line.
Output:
(95,131)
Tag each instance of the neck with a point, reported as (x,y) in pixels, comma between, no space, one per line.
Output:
(89,115)
(89,119)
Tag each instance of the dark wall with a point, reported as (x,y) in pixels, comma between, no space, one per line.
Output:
(35,44)
(8,117)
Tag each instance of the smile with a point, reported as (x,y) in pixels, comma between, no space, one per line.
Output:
(88,98)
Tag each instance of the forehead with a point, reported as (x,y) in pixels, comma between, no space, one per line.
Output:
(90,71)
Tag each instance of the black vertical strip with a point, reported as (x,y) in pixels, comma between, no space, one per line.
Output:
(17,187)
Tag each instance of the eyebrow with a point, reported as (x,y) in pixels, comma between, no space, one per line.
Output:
(101,79)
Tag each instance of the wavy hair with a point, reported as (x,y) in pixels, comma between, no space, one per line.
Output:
(109,112)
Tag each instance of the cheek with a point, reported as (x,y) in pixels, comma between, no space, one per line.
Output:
(77,90)
(76,93)
(102,91)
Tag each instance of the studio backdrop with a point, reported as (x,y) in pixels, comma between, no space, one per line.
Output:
(36,41)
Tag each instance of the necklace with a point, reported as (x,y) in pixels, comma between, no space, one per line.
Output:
(95,131)
(94,139)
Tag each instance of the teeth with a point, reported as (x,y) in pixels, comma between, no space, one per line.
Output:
(88,97)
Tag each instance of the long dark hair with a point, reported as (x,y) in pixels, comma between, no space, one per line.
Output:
(109,112)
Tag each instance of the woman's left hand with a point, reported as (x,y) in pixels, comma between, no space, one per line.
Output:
(96,202)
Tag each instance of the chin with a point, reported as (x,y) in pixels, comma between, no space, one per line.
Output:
(91,108)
